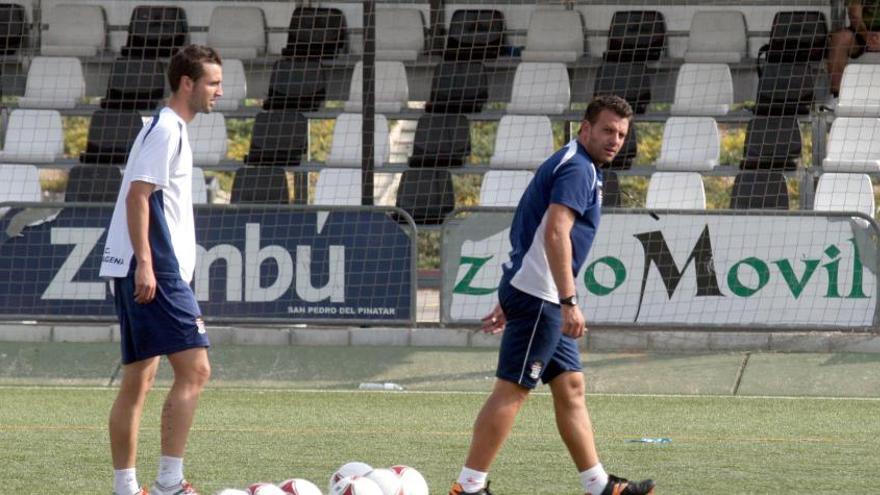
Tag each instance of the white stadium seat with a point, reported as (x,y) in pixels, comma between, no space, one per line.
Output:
(19,183)
(845,192)
(853,146)
(522,141)
(338,187)
(676,190)
(345,150)
(207,138)
(703,90)
(234,86)
(689,144)
(554,36)
(33,136)
(391,88)
(73,31)
(717,37)
(540,88)
(858,91)
(504,187)
(400,34)
(53,82)
(237,32)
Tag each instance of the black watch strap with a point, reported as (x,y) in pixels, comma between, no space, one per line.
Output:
(568,301)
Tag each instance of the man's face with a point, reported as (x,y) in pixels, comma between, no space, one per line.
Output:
(604,139)
(206,89)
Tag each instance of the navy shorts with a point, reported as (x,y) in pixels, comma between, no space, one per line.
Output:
(533,346)
(172,322)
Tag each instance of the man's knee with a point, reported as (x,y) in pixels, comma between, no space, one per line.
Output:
(843,38)
(568,388)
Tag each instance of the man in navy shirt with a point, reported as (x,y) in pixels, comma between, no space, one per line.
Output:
(551,234)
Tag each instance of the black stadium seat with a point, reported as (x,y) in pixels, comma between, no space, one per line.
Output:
(296,85)
(13,28)
(111,134)
(156,31)
(458,87)
(426,194)
(631,81)
(772,143)
(260,185)
(636,36)
(475,35)
(92,184)
(610,190)
(786,89)
(279,139)
(441,140)
(796,36)
(759,190)
(135,85)
(316,33)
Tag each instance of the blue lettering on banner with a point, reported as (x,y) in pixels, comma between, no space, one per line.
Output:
(253,262)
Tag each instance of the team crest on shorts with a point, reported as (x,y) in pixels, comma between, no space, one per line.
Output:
(200,324)
(535,371)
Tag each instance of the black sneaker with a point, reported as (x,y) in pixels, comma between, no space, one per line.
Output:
(458,490)
(622,486)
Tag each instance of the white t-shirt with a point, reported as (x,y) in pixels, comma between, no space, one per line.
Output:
(161,155)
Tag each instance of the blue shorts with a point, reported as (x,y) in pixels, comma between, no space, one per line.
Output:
(172,322)
(533,346)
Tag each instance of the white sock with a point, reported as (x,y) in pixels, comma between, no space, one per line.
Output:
(125,481)
(594,479)
(170,470)
(472,481)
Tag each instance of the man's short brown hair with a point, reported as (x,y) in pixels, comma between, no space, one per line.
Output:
(607,102)
(188,62)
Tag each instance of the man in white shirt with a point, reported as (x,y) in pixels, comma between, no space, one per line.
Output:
(151,252)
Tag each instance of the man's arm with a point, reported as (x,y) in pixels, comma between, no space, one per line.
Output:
(557,243)
(855,18)
(137,207)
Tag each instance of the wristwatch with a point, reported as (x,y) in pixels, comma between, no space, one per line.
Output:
(568,301)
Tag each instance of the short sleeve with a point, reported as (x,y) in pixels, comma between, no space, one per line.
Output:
(574,186)
(153,161)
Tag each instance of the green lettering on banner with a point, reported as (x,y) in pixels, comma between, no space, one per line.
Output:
(593,285)
(832,269)
(464,286)
(856,292)
(737,287)
(796,286)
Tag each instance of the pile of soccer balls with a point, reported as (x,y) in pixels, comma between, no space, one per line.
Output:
(353,478)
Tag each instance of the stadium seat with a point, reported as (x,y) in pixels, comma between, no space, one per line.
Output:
(73,31)
(111,134)
(636,36)
(156,31)
(628,152)
(391,90)
(458,87)
(441,140)
(296,85)
(400,34)
(554,35)
(610,190)
(135,85)
(199,187)
(522,141)
(796,37)
(476,35)
(13,28)
(426,194)
(689,144)
(33,136)
(676,190)
(845,192)
(703,90)
(280,138)
(237,32)
(338,187)
(717,37)
(19,183)
(853,146)
(53,82)
(540,88)
(260,185)
(504,187)
(772,143)
(234,86)
(207,138)
(761,190)
(631,81)
(785,89)
(92,184)
(858,91)
(345,150)
(316,33)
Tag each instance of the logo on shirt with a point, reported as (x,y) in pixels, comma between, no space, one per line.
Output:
(535,370)
(200,324)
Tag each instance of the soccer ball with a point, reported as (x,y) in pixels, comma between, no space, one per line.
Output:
(348,469)
(232,491)
(264,489)
(387,480)
(299,486)
(356,485)
(413,481)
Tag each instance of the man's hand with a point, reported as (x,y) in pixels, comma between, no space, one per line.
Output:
(493,323)
(144,283)
(872,41)
(573,323)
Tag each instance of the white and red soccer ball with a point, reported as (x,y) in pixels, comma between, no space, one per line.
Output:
(265,489)
(299,486)
(355,485)
(413,482)
(354,468)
